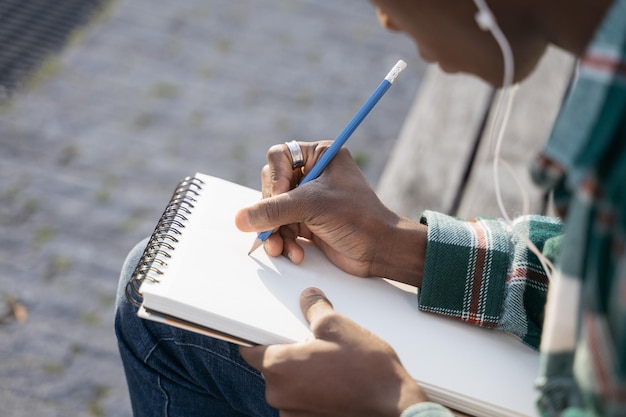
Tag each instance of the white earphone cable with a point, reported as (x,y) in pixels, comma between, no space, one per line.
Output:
(486,21)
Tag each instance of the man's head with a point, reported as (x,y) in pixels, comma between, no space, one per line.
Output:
(446,31)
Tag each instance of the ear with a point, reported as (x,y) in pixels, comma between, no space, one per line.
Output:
(385,21)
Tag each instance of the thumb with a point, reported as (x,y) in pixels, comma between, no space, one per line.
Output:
(269,213)
(315,305)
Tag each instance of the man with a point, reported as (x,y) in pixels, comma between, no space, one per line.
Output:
(346,370)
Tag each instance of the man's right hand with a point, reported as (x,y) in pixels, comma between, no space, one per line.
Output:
(339,212)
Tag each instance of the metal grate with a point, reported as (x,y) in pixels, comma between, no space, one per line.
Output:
(30,30)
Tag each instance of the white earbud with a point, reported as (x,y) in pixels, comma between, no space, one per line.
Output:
(485,20)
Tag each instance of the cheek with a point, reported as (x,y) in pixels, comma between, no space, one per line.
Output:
(448,51)
(474,52)
(430,45)
(437,38)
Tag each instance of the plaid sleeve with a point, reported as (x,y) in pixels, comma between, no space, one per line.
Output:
(480,271)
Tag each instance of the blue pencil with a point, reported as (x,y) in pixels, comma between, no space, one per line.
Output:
(343,137)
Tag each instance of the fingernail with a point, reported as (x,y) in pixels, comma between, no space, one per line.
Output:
(312,292)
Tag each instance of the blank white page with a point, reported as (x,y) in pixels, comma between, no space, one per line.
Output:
(212,281)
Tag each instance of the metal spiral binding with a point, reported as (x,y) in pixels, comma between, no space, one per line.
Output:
(166,235)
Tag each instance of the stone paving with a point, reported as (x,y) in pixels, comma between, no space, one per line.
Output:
(149,92)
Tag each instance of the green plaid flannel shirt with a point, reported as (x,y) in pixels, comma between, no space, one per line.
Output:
(480,271)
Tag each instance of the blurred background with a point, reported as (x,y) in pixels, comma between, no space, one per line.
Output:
(106,105)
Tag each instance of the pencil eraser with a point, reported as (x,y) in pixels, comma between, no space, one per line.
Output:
(395,71)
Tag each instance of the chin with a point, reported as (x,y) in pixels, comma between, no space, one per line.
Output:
(448,69)
(425,56)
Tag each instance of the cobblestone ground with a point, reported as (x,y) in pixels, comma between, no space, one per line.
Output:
(149,92)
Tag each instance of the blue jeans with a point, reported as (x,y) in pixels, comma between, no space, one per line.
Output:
(173,372)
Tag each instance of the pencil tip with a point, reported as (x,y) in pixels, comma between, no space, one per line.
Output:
(257,243)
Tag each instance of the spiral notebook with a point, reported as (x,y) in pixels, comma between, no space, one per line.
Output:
(195,273)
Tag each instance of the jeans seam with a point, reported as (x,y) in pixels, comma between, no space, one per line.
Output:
(202,348)
(166,403)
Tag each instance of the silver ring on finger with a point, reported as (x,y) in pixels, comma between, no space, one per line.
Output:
(297,158)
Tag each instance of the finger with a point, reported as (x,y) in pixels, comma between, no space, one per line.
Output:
(290,246)
(272,212)
(266,358)
(274,245)
(274,182)
(315,305)
(254,356)
(279,176)
(286,242)
(293,251)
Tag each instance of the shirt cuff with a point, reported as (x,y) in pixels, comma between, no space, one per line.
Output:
(465,268)
(426,409)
